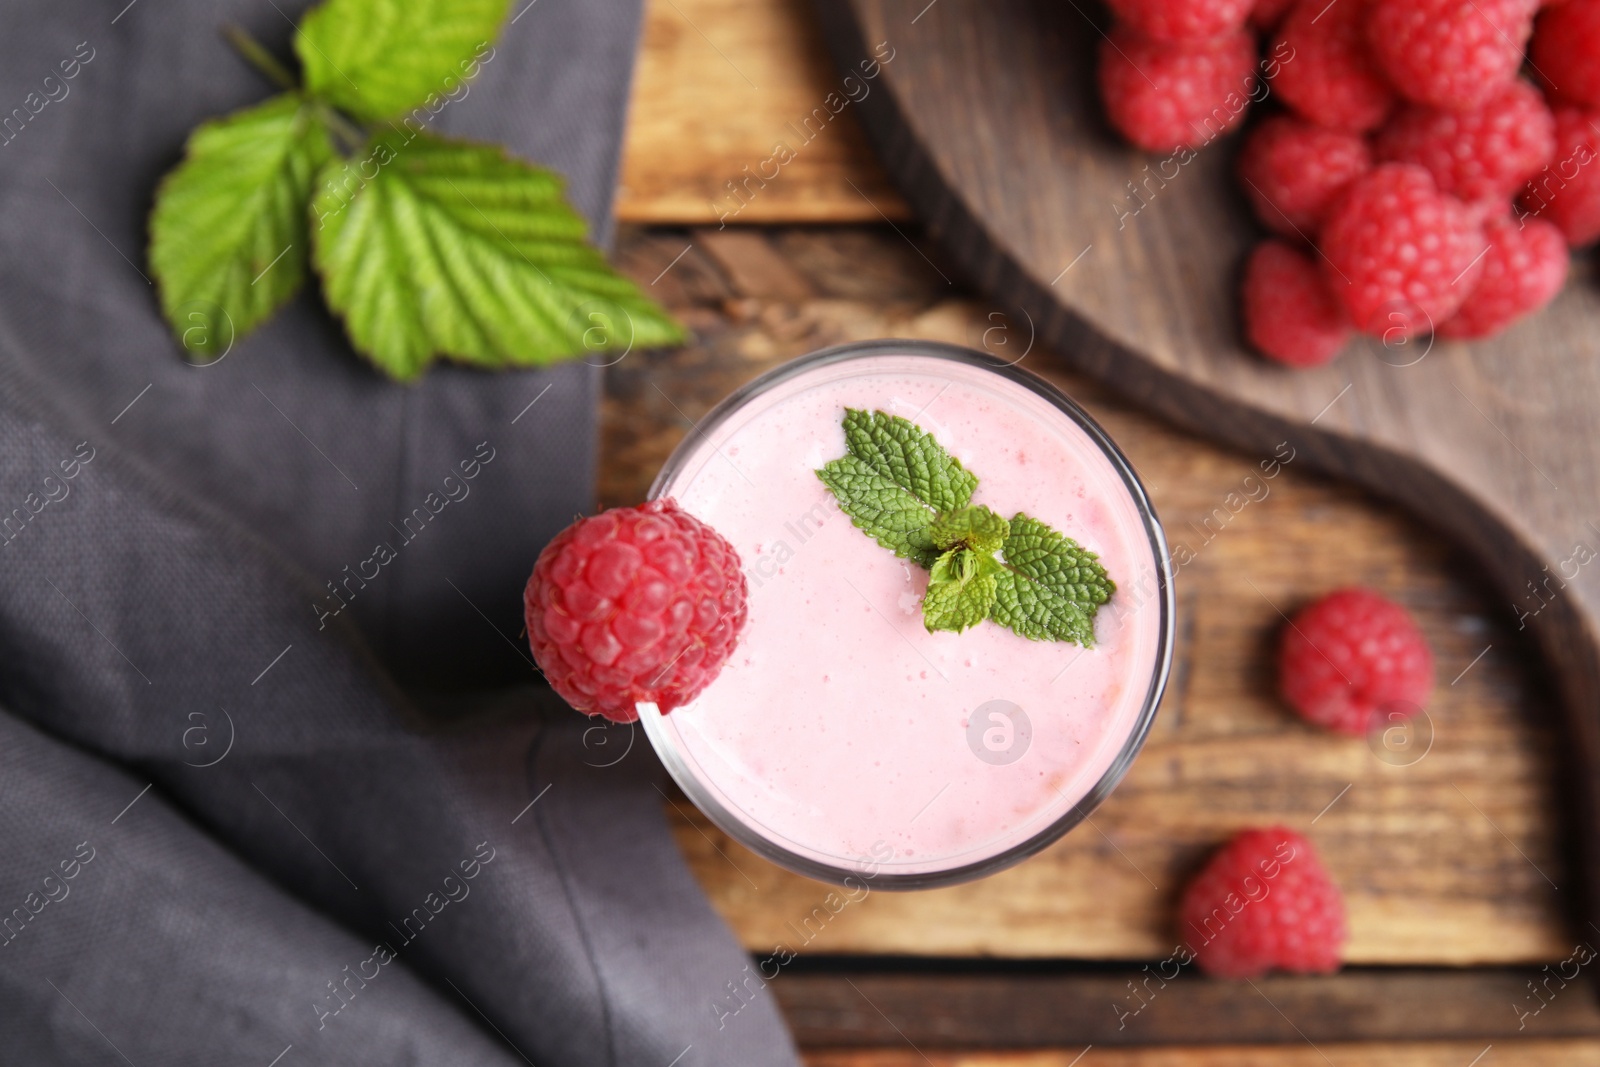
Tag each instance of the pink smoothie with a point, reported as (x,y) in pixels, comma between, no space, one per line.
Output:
(841,729)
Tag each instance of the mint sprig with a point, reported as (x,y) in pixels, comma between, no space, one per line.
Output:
(426,247)
(911,457)
(903,489)
(894,481)
(974,527)
(961,590)
(887,512)
(1051,587)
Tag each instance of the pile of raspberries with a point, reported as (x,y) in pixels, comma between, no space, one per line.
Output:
(1426,166)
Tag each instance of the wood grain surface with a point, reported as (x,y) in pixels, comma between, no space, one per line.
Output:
(1127,265)
(719,86)
(1063,1007)
(1390,1054)
(1448,852)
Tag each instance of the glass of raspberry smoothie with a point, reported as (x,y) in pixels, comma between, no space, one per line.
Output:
(843,736)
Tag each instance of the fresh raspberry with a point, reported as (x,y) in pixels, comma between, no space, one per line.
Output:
(1181,20)
(634,604)
(1264,902)
(1164,97)
(1567,192)
(1293,171)
(1449,53)
(1324,72)
(1566,51)
(1524,269)
(1266,14)
(1288,312)
(1483,154)
(1350,654)
(1398,254)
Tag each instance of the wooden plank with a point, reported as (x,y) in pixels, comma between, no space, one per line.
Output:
(754,267)
(1389,1054)
(1450,860)
(1025,1008)
(722,84)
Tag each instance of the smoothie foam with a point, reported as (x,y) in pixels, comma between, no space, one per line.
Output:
(839,723)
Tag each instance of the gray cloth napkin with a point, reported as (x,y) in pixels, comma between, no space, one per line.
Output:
(227,834)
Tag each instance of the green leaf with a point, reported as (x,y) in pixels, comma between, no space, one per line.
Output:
(911,457)
(900,487)
(378,58)
(961,590)
(228,231)
(880,508)
(429,247)
(974,527)
(1051,586)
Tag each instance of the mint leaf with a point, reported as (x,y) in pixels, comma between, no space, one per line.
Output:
(961,590)
(228,230)
(894,482)
(906,492)
(428,246)
(974,527)
(881,509)
(910,456)
(378,58)
(1051,586)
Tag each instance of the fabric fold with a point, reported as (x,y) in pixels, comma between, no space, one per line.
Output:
(140,627)
(185,605)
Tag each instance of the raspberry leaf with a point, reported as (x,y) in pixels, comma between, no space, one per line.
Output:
(428,246)
(910,456)
(880,508)
(378,58)
(961,590)
(228,229)
(974,527)
(1051,586)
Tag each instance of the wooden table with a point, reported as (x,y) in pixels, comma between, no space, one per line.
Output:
(1452,861)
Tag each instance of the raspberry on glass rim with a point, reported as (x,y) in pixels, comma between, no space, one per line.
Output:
(634,605)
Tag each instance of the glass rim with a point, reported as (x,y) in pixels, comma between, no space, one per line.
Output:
(737,827)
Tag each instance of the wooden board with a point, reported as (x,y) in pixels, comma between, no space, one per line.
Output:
(720,84)
(990,126)
(1051,1007)
(1431,1054)
(1443,861)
